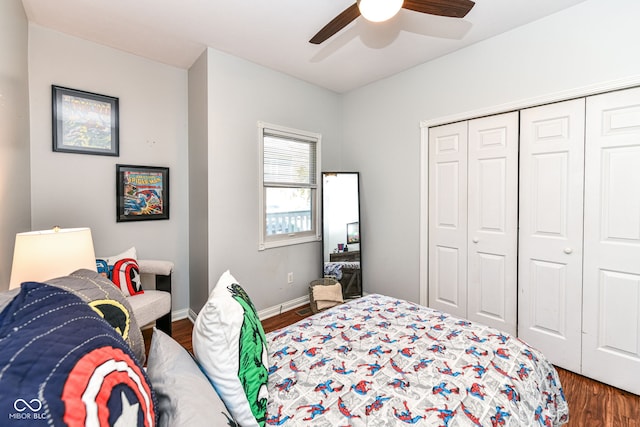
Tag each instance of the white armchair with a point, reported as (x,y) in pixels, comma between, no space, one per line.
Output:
(155,303)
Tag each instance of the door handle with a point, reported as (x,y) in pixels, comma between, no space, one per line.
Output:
(568,250)
(475,240)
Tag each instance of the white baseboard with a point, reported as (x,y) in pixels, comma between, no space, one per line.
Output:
(180,314)
(281,308)
(266,313)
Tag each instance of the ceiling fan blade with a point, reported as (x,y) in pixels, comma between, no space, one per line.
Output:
(336,24)
(451,8)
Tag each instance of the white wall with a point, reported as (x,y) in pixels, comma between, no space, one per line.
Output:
(14,132)
(593,42)
(241,94)
(73,190)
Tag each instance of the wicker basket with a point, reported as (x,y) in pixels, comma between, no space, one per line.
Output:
(327,281)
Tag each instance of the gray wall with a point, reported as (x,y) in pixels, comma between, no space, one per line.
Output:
(593,42)
(240,94)
(74,190)
(15,215)
(198,183)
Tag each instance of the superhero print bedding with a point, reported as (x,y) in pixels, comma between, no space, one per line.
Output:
(379,361)
(62,364)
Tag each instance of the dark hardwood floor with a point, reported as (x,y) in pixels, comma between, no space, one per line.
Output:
(591,403)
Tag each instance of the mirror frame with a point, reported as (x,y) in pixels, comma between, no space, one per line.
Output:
(326,250)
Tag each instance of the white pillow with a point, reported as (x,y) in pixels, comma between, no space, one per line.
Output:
(129,253)
(185,395)
(230,345)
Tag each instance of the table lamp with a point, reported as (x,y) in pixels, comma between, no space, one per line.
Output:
(47,254)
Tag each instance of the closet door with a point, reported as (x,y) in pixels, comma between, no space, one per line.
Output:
(551,225)
(448,218)
(611,340)
(493,221)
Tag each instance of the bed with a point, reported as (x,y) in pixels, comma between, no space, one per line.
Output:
(71,353)
(379,361)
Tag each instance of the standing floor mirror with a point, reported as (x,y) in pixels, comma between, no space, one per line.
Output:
(341,231)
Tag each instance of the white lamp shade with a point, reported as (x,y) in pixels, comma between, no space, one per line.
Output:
(379,10)
(42,255)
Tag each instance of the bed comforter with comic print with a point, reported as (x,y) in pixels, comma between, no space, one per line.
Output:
(380,361)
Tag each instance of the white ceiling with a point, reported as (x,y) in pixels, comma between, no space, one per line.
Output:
(275,33)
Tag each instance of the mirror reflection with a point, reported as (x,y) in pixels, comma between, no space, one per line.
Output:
(341,230)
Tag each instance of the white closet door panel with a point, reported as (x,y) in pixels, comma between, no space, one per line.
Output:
(611,340)
(446,277)
(493,221)
(551,227)
(448,218)
(548,297)
(549,215)
(489,302)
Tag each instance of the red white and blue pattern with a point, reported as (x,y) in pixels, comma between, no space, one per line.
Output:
(61,364)
(380,361)
(126,275)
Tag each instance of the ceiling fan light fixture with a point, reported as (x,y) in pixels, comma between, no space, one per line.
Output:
(379,10)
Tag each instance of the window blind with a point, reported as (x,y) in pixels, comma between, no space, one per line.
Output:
(289,160)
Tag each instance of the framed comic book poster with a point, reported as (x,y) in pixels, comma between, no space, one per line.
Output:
(84,122)
(142,193)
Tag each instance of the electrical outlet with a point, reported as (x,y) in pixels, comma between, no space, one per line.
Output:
(290,278)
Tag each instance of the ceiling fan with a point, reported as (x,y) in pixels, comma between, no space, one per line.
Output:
(450,8)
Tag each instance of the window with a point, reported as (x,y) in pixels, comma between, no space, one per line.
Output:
(289,176)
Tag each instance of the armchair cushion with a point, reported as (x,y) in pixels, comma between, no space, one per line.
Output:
(155,303)
(146,283)
(150,305)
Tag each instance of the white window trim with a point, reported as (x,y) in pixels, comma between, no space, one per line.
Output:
(293,238)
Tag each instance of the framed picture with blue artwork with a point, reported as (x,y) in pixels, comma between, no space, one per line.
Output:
(142,193)
(84,122)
